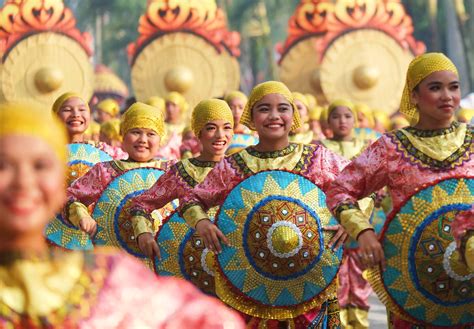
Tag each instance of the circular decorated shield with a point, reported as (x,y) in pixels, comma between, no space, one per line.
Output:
(277,265)
(82,157)
(184,255)
(111,210)
(424,280)
(61,233)
(241,141)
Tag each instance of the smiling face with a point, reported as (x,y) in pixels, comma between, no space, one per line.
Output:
(141,144)
(76,116)
(215,138)
(32,186)
(341,121)
(272,117)
(437,97)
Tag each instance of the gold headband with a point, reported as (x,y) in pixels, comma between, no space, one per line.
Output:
(141,115)
(235,95)
(209,110)
(109,106)
(111,129)
(63,98)
(302,98)
(260,91)
(29,120)
(419,68)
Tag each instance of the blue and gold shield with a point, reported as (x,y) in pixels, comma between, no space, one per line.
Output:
(277,265)
(60,233)
(111,210)
(241,141)
(425,281)
(184,255)
(81,158)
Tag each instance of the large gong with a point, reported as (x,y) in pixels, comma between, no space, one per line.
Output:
(277,265)
(424,280)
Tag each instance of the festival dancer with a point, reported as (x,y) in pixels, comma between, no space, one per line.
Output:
(272,113)
(142,127)
(353,290)
(434,148)
(212,121)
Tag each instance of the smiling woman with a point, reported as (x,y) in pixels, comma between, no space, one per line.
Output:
(43,288)
(271,111)
(429,160)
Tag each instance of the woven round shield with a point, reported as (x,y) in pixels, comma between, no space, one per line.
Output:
(241,141)
(111,210)
(425,281)
(277,265)
(184,255)
(81,158)
(61,233)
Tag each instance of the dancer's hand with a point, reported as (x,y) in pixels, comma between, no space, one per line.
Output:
(88,225)
(339,237)
(370,250)
(148,245)
(211,235)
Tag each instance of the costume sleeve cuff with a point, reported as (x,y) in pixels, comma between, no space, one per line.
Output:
(193,215)
(141,225)
(354,222)
(76,212)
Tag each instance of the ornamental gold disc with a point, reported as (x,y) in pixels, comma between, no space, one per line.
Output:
(186,63)
(300,69)
(43,66)
(365,66)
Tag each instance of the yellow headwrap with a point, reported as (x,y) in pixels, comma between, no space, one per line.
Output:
(260,91)
(344,103)
(315,113)
(157,102)
(236,94)
(29,120)
(141,115)
(64,97)
(109,106)
(419,68)
(178,99)
(208,110)
(465,115)
(312,101)
(302,98)
(111,129)
(367,112)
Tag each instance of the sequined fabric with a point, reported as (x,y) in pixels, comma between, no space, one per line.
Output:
(118,292)
(314,162)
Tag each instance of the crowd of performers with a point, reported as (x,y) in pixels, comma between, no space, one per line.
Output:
(364,161)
